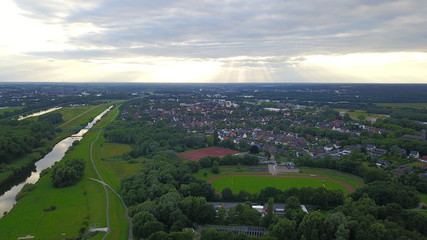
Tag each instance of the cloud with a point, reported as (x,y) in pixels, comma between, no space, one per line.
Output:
(233,33)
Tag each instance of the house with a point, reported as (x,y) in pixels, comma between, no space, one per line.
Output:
(378,151)
(401,170)
(383,163)
(328,147)
(414,154)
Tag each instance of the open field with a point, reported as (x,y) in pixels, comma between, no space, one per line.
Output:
(76,206)
(71,112)
(360,114)
(350,179)
(254,183)
(403,105)
(211,151)
(9,109)
(82,115)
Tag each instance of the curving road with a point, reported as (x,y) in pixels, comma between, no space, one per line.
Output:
(105,185)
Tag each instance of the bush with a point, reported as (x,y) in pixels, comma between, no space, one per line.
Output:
(67,174)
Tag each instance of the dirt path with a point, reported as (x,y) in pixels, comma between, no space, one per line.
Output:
(350,188)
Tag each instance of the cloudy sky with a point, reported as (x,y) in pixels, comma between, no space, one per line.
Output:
(288,41)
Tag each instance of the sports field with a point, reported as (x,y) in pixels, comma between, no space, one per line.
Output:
(254,183)
(212,152)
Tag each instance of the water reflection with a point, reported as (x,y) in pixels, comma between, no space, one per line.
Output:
(7,200)
(39,113)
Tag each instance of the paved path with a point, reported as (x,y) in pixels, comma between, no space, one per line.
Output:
(105,185)
(346,185)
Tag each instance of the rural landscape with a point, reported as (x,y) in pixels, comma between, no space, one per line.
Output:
(236,161)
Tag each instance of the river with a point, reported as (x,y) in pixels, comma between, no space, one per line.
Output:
(7,200)
(39,113)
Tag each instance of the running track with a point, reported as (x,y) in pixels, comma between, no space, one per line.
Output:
(346,185)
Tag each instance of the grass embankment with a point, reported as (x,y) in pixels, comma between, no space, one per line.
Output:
(76,206)
(73,116)
(403,105)
(254,184)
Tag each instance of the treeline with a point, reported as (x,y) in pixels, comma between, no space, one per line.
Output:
(352,163)
(165,196)
(353,220)
(321,197)
(207,162)
(148,139)
(18,138)
(380,185)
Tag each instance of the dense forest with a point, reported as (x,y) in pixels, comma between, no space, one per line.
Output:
(21,137)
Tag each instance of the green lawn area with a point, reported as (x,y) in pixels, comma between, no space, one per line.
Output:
(352,180)
(70,112)
(82,115)
(361,114)
(10,109)
(76,206)
(403,105)
(254,184)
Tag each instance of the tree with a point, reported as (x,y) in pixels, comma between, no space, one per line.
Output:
(151,227)
(254,149)
(270,210)
(292,203)
(285,229)
(68,173)
(227,194)
(215,167)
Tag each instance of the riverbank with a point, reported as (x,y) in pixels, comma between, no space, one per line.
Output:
(17,170)
(78,206)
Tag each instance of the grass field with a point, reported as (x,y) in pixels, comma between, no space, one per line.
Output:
(76,206)
(76,116)
(10,109)
(404,105)
(70,112)
(350,179)
(360,114)
(254,184)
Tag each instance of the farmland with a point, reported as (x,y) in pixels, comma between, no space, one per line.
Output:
(212,152)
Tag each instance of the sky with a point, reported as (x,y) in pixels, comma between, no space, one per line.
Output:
(214,41)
